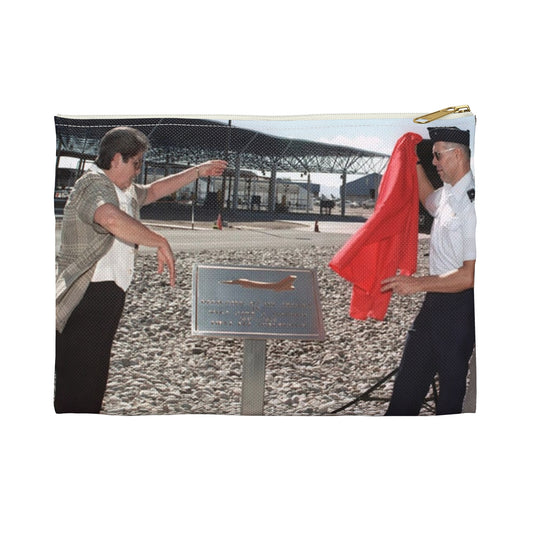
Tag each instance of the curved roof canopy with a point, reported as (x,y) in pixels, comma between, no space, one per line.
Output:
(187,141)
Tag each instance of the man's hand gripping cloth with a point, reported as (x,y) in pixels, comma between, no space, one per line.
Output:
(387,243)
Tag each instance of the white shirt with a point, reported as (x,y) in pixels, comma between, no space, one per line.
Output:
(117,264)
(453,234)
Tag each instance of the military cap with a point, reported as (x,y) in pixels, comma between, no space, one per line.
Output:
(450,135)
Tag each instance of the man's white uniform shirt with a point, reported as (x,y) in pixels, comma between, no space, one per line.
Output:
(453,234)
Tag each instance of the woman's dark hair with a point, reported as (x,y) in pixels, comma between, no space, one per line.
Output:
(123,140)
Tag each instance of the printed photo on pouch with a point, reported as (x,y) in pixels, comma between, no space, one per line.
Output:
(317,265)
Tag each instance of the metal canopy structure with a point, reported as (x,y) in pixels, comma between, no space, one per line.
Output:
(189,141)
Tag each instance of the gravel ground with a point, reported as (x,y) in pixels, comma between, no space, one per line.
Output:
(158,367)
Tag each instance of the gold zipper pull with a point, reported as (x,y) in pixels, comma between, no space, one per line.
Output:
(430,117)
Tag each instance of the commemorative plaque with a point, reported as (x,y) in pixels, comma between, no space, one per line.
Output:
(256,304)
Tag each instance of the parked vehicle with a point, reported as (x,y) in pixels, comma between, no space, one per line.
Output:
(61,194)
(369,203)
(60,199)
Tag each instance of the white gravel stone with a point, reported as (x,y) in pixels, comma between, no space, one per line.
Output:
(158,367)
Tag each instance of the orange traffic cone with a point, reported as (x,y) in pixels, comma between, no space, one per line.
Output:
(316,226)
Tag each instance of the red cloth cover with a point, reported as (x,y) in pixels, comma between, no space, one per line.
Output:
(386,244)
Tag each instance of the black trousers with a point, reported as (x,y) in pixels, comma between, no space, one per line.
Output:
(440,341)
(83,349)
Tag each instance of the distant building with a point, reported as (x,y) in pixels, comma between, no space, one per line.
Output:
(66,177)
(253,189)
(365,188)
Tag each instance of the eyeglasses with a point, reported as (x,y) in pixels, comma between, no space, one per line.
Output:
(437,155)
(137,165)
(136,162)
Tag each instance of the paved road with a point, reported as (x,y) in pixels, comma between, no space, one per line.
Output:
(243,236)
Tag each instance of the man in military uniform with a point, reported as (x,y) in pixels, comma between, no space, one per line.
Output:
(441,339)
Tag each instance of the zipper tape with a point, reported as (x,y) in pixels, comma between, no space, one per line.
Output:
(417,117)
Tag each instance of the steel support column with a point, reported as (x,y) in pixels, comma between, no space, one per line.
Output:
(343,194)
(235,200)
(272,189)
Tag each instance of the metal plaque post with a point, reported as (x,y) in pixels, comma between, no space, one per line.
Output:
(255,303)
(253,377)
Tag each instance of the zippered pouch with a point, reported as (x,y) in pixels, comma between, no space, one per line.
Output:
(298,265)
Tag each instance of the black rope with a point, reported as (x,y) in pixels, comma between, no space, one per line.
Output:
(367,392)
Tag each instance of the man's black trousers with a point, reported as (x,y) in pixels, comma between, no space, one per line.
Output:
(440,341)
(83,349)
